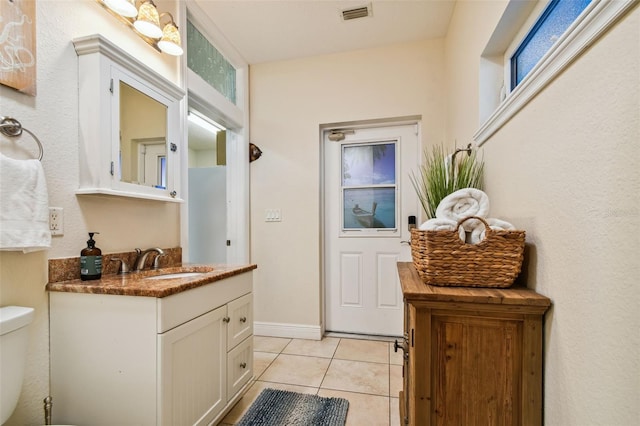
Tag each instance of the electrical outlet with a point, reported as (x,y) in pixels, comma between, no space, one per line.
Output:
(56,221)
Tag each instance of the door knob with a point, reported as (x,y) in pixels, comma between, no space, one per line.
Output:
(404,347)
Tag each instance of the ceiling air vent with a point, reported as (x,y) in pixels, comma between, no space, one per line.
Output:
(355,13)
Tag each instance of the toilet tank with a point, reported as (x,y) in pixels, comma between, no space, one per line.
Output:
(14,339)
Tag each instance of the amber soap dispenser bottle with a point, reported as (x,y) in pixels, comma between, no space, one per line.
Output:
(91,260)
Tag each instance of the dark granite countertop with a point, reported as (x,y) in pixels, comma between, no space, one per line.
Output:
(138,284)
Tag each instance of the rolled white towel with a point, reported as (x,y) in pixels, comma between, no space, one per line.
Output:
(462,204)
(478,232)
(437,224)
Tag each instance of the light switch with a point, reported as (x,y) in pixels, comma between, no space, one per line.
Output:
(272,215)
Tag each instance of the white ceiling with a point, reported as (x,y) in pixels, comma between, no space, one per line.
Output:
(274,30)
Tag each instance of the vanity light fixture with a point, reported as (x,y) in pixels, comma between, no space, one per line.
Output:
(145,21)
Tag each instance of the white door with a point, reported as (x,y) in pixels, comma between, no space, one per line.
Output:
(368,200)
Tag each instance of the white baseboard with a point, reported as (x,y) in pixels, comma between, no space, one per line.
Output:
(291,331)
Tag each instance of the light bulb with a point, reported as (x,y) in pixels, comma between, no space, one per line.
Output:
(170,42)
(148,21)
(125,8)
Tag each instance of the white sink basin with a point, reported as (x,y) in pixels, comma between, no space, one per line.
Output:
(175,275)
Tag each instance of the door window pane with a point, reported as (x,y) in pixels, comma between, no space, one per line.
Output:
(369,164)
(369,191)
(369,208)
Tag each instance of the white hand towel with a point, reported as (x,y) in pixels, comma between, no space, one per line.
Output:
(477,234)
(464,203)
(24,206)
(436,224)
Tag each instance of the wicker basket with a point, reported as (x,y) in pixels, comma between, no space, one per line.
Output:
(442,259)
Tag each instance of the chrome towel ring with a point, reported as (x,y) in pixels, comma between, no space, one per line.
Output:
(11,127)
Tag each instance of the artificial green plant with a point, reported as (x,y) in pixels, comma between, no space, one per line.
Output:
(442,173)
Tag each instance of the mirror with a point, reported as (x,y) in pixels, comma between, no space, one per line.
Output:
(143,138)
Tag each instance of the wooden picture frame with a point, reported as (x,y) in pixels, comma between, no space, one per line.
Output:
(18,45)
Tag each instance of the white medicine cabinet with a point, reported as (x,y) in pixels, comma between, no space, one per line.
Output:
(129,125)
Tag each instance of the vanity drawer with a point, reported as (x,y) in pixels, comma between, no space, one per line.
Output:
(239,366)
(240,313)
(181,307)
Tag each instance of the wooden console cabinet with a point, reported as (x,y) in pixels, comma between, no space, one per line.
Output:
(473,356)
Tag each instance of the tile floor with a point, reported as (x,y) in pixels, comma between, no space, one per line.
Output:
(368,373)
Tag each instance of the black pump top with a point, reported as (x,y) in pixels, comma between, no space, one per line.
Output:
(91,243)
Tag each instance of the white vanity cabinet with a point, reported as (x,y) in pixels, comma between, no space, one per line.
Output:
(179,360)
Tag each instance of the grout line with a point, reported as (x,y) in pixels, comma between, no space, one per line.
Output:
(359,360)
(389,387)
(333,355)
(361,336)
(324,376)
(268,365)
(285,346)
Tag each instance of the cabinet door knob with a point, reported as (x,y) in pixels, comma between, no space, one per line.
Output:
(243,365)
(226,319)
(243,319)
(404,346)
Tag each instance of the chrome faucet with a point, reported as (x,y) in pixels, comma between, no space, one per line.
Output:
(142,258)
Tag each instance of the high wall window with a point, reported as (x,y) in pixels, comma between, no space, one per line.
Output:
(534,42)
(206,61)
(553,22)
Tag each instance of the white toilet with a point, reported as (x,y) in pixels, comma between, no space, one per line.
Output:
(14,337)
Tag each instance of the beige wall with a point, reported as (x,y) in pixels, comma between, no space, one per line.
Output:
(289,101)
(565,169)
(53,116)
